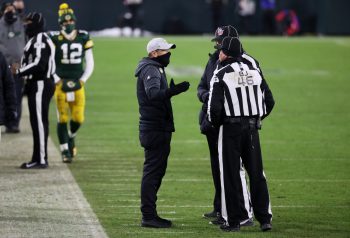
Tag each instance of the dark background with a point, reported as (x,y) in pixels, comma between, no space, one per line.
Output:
(323,17)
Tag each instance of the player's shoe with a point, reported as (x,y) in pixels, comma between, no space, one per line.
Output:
(66,157)
(71,146)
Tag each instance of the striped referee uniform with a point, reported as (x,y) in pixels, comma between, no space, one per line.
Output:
(239,97)
(37,68)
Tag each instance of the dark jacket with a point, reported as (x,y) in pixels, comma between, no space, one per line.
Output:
(154,103)
(203,92)
(7,92)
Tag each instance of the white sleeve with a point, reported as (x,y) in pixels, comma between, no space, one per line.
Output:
(56,78)
(89,67)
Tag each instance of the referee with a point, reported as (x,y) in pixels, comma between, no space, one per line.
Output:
(37,68)
(239,98)
(212,134)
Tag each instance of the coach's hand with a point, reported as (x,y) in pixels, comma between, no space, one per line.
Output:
(175,89)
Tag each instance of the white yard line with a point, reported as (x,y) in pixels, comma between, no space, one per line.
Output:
(40,203)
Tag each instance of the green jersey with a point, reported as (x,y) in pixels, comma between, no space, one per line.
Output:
(70,54)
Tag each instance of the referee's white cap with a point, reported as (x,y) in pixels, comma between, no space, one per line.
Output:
(159,44)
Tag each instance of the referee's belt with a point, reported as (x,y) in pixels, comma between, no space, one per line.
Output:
(250,120)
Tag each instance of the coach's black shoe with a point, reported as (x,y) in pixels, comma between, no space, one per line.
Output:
(156,222)
(212,214)
(218,221)
(248,222)
(33,165)
(227,228)
(266,227)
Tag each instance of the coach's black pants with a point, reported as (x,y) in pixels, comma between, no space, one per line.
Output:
(156,145)
(19,94)
(39,93)
(241,140)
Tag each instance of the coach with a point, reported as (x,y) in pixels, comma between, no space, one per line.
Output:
(239,98)
(156,124)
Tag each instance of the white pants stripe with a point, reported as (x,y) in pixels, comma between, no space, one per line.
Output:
(223,200)
(38,102)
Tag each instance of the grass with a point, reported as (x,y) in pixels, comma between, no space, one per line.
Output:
(305,141)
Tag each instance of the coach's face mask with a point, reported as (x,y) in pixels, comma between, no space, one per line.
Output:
(164,60)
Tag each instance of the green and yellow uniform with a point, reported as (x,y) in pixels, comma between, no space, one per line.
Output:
(69,59)
(74,65)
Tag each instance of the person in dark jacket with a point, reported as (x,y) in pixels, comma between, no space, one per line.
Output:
(212,133)
(7,93)
(156,124)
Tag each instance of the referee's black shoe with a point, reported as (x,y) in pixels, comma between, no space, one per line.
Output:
(156,222)
(33,165)
(266,227)
(212,214)
(218,221)
(227,228)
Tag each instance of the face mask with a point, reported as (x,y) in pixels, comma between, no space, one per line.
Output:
(10,17)
(164,60)
(69,28)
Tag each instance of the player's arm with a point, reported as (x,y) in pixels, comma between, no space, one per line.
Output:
(89,61)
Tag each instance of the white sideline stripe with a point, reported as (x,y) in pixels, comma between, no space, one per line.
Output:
(206,206)
(209,180)
(160,232)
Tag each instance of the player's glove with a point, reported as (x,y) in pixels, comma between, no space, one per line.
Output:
(70,85)
(175,89)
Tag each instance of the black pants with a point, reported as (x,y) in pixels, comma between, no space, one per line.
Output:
(19,95)
(156,145)
(212,139)
(241,140)
(39,93)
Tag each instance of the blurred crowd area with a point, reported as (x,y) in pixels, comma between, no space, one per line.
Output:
(180,17)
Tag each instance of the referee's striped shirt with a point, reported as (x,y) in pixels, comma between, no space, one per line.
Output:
(238,89)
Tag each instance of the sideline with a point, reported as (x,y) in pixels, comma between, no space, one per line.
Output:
(40,203)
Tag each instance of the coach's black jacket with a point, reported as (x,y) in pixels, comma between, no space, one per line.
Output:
(154,103)
(7,92)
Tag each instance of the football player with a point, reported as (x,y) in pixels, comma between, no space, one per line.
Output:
(73,51)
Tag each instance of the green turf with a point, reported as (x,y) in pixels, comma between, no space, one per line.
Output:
(305,141)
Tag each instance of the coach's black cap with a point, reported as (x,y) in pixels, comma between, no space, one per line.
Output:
(224,31)
(231,46)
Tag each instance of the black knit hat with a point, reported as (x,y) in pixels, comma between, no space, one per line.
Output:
(231,46)
(36,25)
(223,31)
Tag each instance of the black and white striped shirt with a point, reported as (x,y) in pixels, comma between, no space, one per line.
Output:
(38,61)
(238,89)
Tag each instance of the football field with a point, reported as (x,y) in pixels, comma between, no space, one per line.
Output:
(305,140)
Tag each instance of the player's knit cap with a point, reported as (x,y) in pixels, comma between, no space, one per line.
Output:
(65,13)
(159,44)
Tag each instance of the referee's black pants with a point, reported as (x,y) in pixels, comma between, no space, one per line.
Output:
(156,146)
(39,94)
(244,196)
(241,140)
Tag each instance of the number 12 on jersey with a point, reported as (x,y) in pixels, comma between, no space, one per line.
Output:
(71,55)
